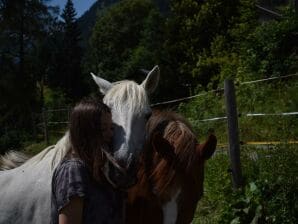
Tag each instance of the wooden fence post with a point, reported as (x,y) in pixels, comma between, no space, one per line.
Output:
(45,125)
(234,146)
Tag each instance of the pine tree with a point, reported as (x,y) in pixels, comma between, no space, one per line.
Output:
(70,79)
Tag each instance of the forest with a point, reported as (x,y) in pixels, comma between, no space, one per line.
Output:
(47,54)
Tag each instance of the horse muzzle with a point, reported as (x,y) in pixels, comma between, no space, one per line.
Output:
(122,174)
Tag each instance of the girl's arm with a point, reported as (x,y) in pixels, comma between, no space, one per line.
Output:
(72,213)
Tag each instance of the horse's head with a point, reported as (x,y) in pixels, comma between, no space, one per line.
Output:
(178,170)
(192,189)
(130,111)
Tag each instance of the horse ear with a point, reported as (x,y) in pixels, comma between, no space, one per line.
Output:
(152,79)
(163,147)
(103,84)
(207,149)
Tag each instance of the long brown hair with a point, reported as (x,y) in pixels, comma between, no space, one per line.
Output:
(86,135)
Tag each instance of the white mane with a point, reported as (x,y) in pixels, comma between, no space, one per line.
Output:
(123,90)
(53,153)
(12,159)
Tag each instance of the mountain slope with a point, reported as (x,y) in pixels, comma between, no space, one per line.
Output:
(88,19)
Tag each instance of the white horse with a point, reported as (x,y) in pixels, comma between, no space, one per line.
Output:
(25,191)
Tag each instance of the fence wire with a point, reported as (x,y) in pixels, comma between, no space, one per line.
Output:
(58,118)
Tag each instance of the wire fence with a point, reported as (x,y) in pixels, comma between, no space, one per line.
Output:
(55,120)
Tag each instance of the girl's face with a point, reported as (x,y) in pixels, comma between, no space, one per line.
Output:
(106,127)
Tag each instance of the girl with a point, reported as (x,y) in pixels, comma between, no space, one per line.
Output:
(80,192)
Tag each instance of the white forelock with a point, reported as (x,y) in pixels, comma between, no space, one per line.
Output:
(127,96)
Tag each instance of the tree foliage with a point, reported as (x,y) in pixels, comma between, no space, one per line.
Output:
(192,28)
(23,26)
(118,39)
(252,49)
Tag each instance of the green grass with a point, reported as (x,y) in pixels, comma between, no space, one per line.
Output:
(34,147)
(269,195)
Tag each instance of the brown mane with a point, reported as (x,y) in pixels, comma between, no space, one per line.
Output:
(178,132)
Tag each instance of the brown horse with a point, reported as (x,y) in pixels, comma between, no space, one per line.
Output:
(170,179)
